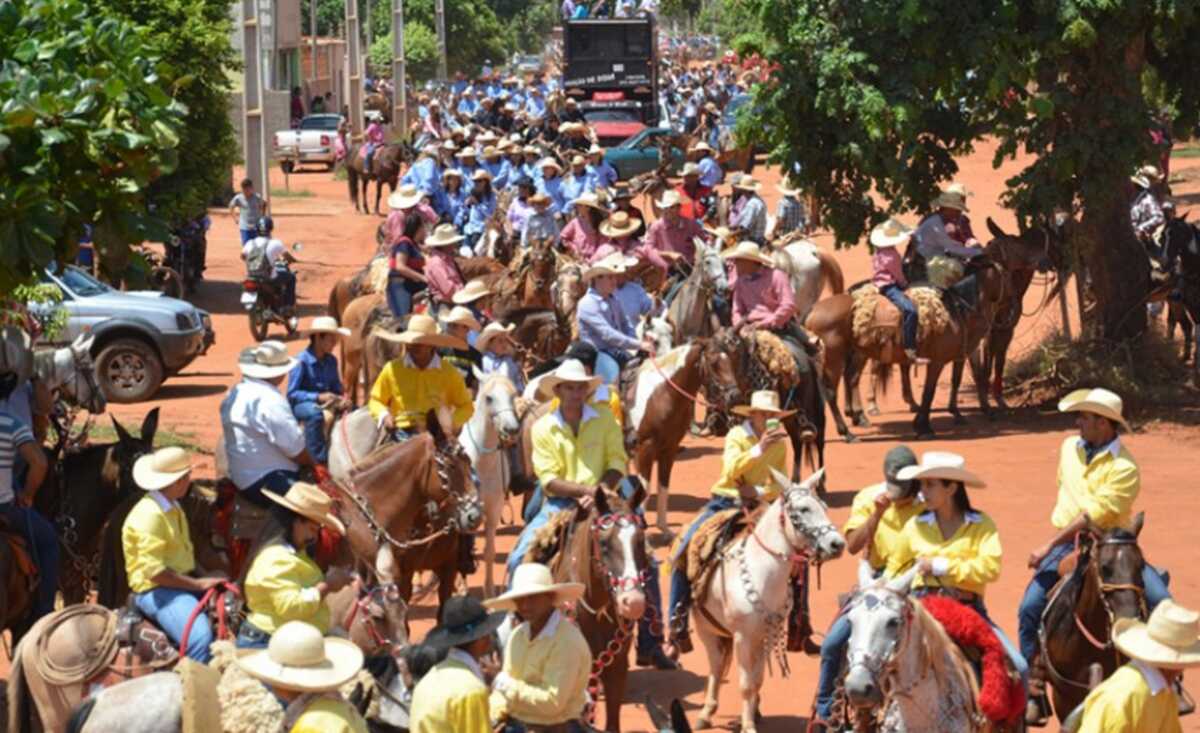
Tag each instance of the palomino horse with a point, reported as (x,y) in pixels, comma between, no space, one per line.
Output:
(1105,585)
(690,310)
(662,399)
(355,318)
(70,371)
(568,287)
(386,165)
(810,270)
(744,610)
(486,438)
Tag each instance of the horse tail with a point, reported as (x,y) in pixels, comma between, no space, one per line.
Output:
(17,694)
(831,272)
(883,377)
(80,716)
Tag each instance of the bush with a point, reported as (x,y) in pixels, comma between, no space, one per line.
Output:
(420,52)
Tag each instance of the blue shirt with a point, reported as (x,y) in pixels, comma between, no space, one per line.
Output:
(426,175)
(499,173)
(603,323)
(553,187)
(312,376)
(535,106)
(634,300)
(710,173)
(467,107)
(505,366)
(573,188)
(603,175)
(455,201)
(474,219)
(13,435)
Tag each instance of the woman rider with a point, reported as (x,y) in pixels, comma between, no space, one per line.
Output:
(283,583)
(456,193)
(406,265)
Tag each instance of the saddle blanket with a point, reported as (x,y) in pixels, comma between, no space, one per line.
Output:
(876,321)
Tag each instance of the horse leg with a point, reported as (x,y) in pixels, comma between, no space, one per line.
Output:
(493,501)
(378,193)
(858,415)
(995,369)
(749,661)
(615,678)
(714,649)
(666,462)
(906,387)
(979,376)
(956,373)
(873,402)
(921,422)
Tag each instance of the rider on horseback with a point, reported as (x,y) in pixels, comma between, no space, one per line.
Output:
(889,278)
(944,233)
(604,324)
(1098,482)
(410,386)
(1146,212)
(314,384)
(748,215)
(373,136)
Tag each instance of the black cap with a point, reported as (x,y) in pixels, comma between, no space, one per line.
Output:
(897,458)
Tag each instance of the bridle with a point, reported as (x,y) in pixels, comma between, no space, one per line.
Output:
(387,593)
(811,533)
(883,667)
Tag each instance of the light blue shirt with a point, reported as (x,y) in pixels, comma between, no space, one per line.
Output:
(539,226)
(553,187)
(573,188)
(710,173)
(473,219)
(467,107)
(506,366)
(634,300)
(535,106)
(603,175)
(499,173)
(604,324)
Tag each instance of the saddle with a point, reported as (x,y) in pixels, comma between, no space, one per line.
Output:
(876,321)
(710,540)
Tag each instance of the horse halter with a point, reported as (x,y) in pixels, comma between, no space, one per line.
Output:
(1107,588)
(882,667)
(386,593)
(617,585)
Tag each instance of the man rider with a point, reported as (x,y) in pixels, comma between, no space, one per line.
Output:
(266,257)
(697,197)
(604,324)
(749,212)
(945,232)
(1147,216)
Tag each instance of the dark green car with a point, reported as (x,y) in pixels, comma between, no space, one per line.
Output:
(640,154)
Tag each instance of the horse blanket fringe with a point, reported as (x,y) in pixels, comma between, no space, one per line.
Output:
(932,315)
(776,359)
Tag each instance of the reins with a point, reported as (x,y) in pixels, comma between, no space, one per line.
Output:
(362,602)
(215,594)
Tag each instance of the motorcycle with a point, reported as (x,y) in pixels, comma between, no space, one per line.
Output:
(185,252)
(261,297)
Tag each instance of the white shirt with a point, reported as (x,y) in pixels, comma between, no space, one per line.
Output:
(261,434)
(275,249)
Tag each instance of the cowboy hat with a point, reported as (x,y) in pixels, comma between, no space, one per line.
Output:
(549,163)
(309,502)
(570,101)
(1096,401)
(746,183)
(449,146)
(571,370)
(1147,176)
(158,470)
(943,465)
(405,197)
(588,199)
(422,330)
(481,175)
(701,147)
(1169,640)
(460,315)
(690,169)
(494,331)
(464,619)
(452,172)
(669,199)
(721,233)
(533,579)
(890,234)
(487,136)
(538,198)
(619,224)
(467,152)
(614,264)
(265,361)
(746,250)
(490,151)
(578,160)
(953,196)
(531,150)
(471,292)
(595,150)
(325,324)
(443,235)
(763,400)
(299,658)
(607,250)
(788,187)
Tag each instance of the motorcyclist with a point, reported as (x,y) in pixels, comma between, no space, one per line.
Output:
(267,258)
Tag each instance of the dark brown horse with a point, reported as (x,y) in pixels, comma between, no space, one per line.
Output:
(540,334)
(386,166)
(525,284)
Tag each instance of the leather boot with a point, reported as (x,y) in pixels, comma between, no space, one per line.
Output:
(1037,709)
(679,637)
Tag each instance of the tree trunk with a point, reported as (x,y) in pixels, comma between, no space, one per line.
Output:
(1117,265)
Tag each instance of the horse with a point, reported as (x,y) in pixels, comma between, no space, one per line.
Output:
(568,287)
(1182,243)
(526,282)
(540,334)
(354,346)
(1105,585)
(744,609)
(662,399)
(70,371)
(386,164)
(372,278)
(809,268)
(486,438)
(690,310)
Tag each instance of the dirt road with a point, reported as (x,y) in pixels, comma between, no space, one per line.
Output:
(1016,454)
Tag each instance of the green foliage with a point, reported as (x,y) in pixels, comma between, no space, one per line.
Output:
(420,52)
(680,8)
(531,27)
(87,125)
(729,18)
(50,314)
(747,44)
(473,32)
(331,16)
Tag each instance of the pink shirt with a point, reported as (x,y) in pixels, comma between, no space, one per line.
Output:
(375,133)
(665,237)
(765,299)
(632,247)
(394,226)
(886,264)
(442,274)
(581,239)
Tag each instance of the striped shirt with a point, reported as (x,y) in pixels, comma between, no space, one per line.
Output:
(789,216)
(13,435)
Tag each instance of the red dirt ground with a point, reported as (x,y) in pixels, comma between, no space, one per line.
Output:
(1016,454)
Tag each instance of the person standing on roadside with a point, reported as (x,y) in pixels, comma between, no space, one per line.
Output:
(248,206)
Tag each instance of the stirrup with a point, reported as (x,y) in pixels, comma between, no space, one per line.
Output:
(1037,711)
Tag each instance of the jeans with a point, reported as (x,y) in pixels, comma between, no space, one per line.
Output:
(908,314)
(608,367)
(313,417)
(286,279)
(833,651)
(681,588)
(399,298)
(42,539)
(248,234)
(1033,604)
(170,609)
(251,637)
(278,481)
(468,244)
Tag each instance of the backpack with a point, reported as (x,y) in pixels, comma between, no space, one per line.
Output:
(257,262)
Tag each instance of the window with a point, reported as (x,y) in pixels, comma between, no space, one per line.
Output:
(605,42)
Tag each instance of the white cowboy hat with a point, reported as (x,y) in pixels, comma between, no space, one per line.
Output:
(266,361)
(533,579)
(549,163)
(1096,401)
(890,234)
(763,400)
(422,330)
(471,292)
(669,199)
(158,470)
(701,147)
(487,136)
(490,151)
(746,183)
(588,199)
(788,187)
(690,169)
(578,160)
(309,502)
(325,324)
(1169,640)
(595,150)
(467,152)
(571,370)
(452,172)
(299,658)
(721,233)
(614,264)
(494,331)
(619,224)
(460,315)
(405,197)
(746,250)
(481,175)
(449,146)
(941,464)
(1147,176)
(953,196)
(443,236)
(532,150)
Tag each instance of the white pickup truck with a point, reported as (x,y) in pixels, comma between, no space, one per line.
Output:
(313,142)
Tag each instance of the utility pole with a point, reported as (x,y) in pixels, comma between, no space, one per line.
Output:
(399,78)
(440,10)
(370,34)
(312,32)
(354,76)
(254,143)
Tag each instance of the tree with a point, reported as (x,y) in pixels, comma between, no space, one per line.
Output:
(86,127)
(420,52)
(331,16)
(882,95)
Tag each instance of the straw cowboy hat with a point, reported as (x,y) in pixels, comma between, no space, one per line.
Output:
(443,235)
(549,163)
(464,620)
(1147,176)
(467,152)
(1096,401)
(534,579)
(690,169)
(481,175)
(701,147)
(619,224)
(953,196)
(422,330)
(941,464)
(669,199)
(747,250)
(309,502)
(890,233)
(788,187)
(405,197)
(1169,640)
(460,315)
(614,264)
(299,658)
(746,183)
(493,331)
(471,292)
(531,150)
(538,198)
(578,160)
(491,151)
(265,361)
(449,146)
(589,199)
(158,470)
(455,172)
(325,324)
(764,400)
(571,370)
(721,233)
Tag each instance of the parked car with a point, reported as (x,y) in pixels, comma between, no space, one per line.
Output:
(140,337)
(312,142)
(613,125)
(526,63)
(640,153)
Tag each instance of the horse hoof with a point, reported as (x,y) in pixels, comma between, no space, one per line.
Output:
(874,411)
(703,722)
(959,419)
(850,438)
(861,421)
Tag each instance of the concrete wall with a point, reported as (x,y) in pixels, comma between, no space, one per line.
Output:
(278,109)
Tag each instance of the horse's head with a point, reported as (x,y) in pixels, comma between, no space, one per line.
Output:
(880,617)
(719,373)
(1114,564)
(619,551)
(1032,249)
(711,266)
(808,527)
(568,287)
(658,330)
(454,492)
(496,401)
(79,382)
(128,449)
(1179,239)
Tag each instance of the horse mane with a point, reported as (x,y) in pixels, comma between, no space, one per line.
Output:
(493,379)
(936,646)
(548,538)
(385,453)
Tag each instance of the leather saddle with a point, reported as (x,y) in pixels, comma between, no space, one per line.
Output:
(710,540)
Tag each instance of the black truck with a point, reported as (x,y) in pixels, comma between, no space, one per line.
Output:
(610,66)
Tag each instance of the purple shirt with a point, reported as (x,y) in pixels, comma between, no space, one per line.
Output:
(886,264)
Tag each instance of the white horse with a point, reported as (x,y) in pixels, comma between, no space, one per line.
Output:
(810,269)
(691,307)
(749,595)
(485,438)
(71,371)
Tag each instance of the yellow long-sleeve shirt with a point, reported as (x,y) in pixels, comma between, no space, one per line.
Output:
(324,715)
(968,560)
(410,393)
(1104,489)
(281,586)
(558,453)
(155,538)
(1135,699)
(544,680)
(450,697)
(743,463)
(891,523)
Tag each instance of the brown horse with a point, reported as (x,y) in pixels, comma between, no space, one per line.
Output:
(540,334)
(525,284)
(354,345)
(386,165)
(372,278)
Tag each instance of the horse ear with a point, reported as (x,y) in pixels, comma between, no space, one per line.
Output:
(866,576)
(778,476)
(639,492)
(123,435)
(385,565)
(995,229)
(1138,521)
(602,507)
(150,427)
(814,482)
(479,375)
(903,583)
